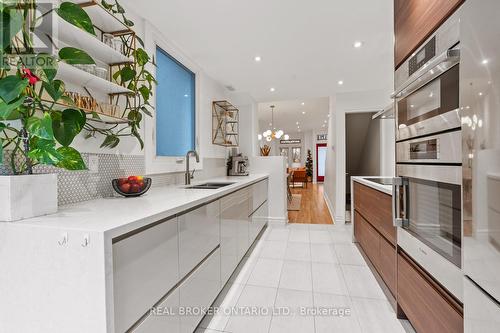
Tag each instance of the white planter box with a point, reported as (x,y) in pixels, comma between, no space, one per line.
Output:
(26,196)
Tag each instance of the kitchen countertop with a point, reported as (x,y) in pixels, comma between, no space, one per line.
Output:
(118,215)
(380,187)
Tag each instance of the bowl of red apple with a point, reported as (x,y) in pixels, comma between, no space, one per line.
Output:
(132,186)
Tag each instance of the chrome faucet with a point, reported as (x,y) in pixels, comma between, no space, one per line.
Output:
(188,176)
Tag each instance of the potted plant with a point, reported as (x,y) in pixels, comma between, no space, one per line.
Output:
(34,128)
(309,165)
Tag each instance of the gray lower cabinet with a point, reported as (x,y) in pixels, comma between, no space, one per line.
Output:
(234,231)
(164,318)
(199,291)
(258,220)
(198,235)
(145,268)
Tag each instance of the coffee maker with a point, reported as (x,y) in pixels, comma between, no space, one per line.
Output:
(237,164)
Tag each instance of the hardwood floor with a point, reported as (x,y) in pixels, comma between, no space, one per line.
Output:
(313,209)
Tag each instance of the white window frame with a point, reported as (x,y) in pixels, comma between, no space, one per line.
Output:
(155,164)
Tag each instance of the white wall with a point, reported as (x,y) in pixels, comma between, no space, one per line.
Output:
(275,166)
(341,104)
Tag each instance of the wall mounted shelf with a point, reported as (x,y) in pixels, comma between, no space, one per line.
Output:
(225,124)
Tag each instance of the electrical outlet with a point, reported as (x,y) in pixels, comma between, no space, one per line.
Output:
(93,163)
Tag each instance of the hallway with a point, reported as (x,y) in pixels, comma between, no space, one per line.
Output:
(313,208)
(307,279)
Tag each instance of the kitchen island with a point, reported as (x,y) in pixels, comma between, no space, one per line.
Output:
(106,265)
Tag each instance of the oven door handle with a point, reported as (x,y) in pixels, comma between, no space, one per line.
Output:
(427,73)
(399,217)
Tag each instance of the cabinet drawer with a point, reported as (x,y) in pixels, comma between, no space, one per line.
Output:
(387,264)
(234,230)
(376,208)
(199,290)
(257,221)
(368,239)
(198,235)
(164,319)
(258,194)
(426,304)
(145,268)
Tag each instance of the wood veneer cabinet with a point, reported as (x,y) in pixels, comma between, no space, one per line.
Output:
(374,231)
(415,20)
(427,305)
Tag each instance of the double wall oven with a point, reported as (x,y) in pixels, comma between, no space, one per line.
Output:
(427,191)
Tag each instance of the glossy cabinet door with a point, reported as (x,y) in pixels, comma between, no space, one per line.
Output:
(258,220)
(145,268)
(258,194)
(163,318)
(199,291)
(234,230)
(198,235)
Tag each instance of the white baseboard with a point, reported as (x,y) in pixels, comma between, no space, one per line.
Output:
(330,207)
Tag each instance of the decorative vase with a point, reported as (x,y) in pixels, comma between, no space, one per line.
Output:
(25,196)
(264,151)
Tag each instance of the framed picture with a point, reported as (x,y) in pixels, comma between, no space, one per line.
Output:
(284,152)
(296,155)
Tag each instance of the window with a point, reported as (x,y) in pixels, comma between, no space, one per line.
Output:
(175,106)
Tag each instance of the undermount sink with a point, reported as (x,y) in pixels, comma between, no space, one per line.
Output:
(209,186)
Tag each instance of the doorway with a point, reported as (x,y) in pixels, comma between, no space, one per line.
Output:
(320,162)
(362,135)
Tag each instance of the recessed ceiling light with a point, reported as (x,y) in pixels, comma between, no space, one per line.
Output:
(270,124)
(303,112)
(325,121)
(257,58)
(324,125)
(485,61)
(357,44)
(302,103)
(272,89)
(480,94)
(296,123)
(340,82)
(328,115)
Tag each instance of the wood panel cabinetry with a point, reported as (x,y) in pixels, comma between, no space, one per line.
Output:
(415,20)
(426,304)
(374,231)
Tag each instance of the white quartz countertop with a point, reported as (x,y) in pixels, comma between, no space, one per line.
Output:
(118,215)
(382,188)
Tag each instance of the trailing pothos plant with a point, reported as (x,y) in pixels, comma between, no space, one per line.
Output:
(33,127)
(137,78)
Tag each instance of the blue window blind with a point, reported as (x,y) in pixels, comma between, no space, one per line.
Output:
(175,106)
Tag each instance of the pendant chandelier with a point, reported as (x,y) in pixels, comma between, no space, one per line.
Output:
(272,133)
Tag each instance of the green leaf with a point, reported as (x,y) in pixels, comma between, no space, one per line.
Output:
(106,5)
(11,22)
(11,87)
(11,111)
(145,92)
(68,100)
(41,127)
(75,15)
(140,40)
(55,89)
(111,141)
(119,8)
(71,159)
(44,151)
(127,73)
(141,56)
(2,127)
(134,116)
(127,21)
(146,111)
(73,56)
(67,125)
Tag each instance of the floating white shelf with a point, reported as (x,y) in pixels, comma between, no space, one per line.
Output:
(102,19)
(66,34)
(79,77)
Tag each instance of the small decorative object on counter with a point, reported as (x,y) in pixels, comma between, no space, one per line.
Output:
(108,39)
(265,150)
(132,186)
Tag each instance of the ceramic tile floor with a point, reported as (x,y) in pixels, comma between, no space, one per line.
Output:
(300,269)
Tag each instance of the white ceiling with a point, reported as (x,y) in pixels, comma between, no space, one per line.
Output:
(288,113)
(306,46)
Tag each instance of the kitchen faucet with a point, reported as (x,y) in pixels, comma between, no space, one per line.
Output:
(188,176)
